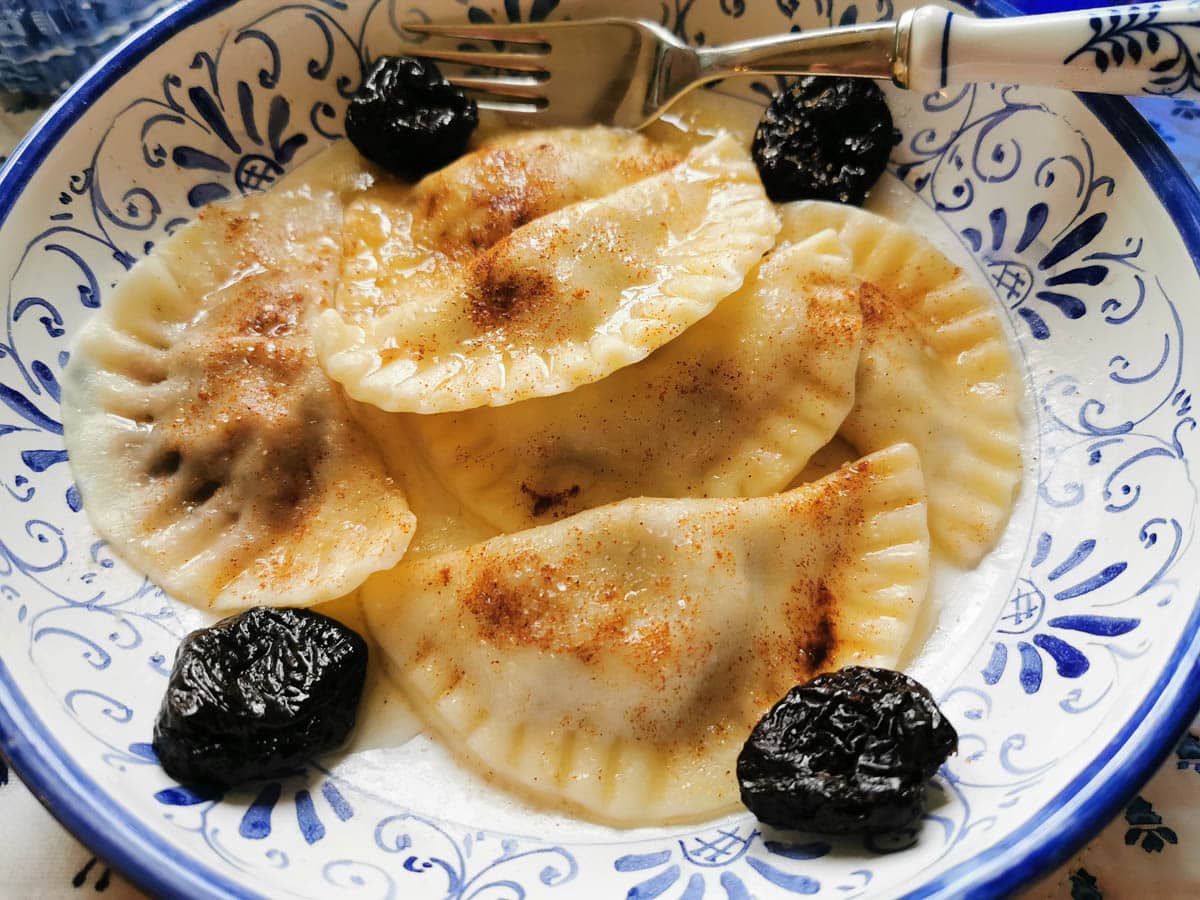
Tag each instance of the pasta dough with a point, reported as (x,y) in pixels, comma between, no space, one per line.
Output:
(936,371)
(208,445)
(443,522)
(559,301)
(617,660)
(515,178)
(732,407)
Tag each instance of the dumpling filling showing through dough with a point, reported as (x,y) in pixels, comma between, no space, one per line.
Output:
(432,316)
(208,445)
(616,661)
(936,371)
(732,407)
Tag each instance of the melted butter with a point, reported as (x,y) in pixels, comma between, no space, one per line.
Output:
(385,717)
(703,114)
(443,524)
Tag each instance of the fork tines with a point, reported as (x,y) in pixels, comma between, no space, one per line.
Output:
(494,89)
(526,32)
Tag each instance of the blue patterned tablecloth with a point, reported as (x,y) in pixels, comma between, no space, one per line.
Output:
(1178,123)
(1148,850)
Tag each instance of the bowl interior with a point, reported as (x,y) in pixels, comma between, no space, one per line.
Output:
(1063,659)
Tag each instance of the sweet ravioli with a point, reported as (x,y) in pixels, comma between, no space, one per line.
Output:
(936,371)
(732,407)
(513,179)
(436,315)
(208,445)
(436,388)
(617,660)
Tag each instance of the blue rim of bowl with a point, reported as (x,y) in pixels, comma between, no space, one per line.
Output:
(1079,810)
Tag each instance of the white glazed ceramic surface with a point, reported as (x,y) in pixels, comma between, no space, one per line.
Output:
(1064,661)
(1133,49)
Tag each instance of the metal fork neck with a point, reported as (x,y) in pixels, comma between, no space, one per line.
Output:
(863,50)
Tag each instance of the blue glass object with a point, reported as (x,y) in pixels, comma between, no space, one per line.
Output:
(45,45)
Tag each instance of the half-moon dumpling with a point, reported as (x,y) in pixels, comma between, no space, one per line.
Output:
(561,301)
(209,447)
(443,522)
(617,660)
(732,407)
(511,180)
(936,371)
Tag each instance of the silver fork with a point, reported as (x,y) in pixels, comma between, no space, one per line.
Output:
(626,72)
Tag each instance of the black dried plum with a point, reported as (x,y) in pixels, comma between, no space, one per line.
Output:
(823,138)
(849,751)
(408,118)
(257,694)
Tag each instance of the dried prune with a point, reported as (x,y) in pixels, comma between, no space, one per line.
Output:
(849,751)
(823,138)
(408,118)
(257,694)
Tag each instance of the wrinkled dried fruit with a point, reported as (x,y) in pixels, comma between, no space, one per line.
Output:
(409,119)
(823,139)
(849,751)
(257,694)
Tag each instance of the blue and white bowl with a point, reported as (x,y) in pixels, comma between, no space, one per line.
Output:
(1067,661)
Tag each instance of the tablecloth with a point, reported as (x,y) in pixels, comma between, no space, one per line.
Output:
(1149,849)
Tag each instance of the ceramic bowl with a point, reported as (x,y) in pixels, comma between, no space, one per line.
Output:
(1067,660)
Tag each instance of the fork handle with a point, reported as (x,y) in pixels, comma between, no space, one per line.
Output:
(1151,48)
(1148,48)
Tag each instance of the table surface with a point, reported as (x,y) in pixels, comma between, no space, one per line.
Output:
(1149,846)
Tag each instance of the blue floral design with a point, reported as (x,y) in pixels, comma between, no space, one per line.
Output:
(1074,262)
(1075,267)
(1084,886)
(476,865)
(833,14)
(1136,31)
(704,862)
(1146,827)
(469,864)
(260,156)
(1188,753)
(1176,122)
(1026,609)
(19,102)
(1186,110)
(511,12)
(256,823)
(103,879)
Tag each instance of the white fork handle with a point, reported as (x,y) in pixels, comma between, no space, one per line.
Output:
(1150,48)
